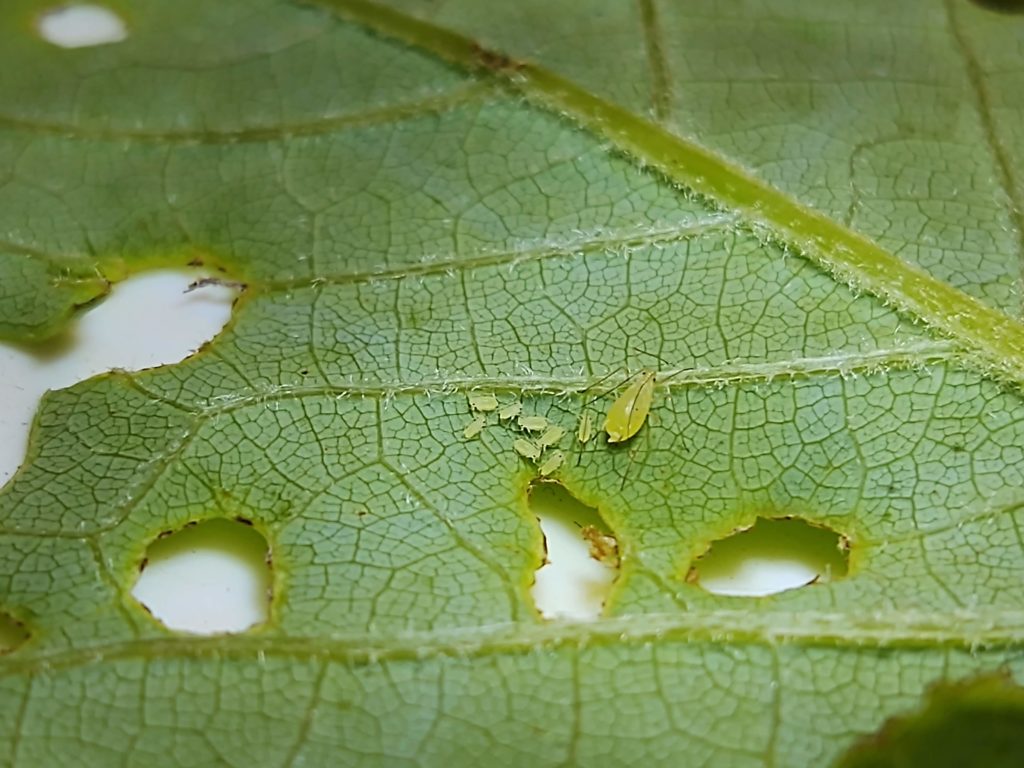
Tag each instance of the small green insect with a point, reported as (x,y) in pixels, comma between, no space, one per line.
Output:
(526,449)
(552,463)
(483,403)
(629,411)
(474,428)
(533,423)
(550,437)
(585,430)
(510,411)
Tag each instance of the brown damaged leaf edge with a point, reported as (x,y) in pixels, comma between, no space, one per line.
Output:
(990,337)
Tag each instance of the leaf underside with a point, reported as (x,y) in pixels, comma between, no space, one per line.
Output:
(811,213)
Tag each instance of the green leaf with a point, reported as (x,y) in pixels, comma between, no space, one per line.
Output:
(812,215)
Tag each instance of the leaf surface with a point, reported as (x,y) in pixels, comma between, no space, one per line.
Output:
(810,215)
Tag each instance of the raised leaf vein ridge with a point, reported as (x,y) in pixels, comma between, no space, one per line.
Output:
(990,337)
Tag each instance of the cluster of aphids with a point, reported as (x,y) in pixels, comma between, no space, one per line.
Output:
(538,440)
(624,418)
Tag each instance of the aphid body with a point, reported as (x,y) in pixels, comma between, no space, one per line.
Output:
(474,428)
(552,463)
(510,411)
(585,431)
(550,437)
(526,449)
(483,403)
(629,411)
(533,423)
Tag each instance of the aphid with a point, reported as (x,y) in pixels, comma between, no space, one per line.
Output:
(483,403)
(603,546)
(550,437)
(552,463)
(629,411)
(474,428)
(526,449)
(585,431)
(510,411)
(533,423)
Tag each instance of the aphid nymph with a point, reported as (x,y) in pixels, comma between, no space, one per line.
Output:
(551,437)
(552,463)
(533,423)
(474,428)
(483,402)
(510,411)
(526,449)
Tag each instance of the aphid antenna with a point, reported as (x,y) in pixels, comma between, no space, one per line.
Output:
(603,379)
(663,361)
(655,355)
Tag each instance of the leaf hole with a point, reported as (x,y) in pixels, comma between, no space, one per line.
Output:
(974,722)
(581,562)
(147,320)
(12,633)
(207,578)
(81,26)
(771,556)
(1001,6)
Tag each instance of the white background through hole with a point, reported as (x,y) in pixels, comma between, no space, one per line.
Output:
(208,578)
(772,556)
(81,25)
(147,320)
(572,585)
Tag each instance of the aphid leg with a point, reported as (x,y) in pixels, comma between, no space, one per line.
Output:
(632,454)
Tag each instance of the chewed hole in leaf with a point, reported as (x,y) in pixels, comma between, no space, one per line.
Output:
(773,555)
(1003,6)
(207,578)
(12,633)
(81,26)
(976,722)
(154,318)
(582,555)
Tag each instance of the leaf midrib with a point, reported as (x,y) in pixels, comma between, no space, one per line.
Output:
(958,629)
(912,356)
(992,339)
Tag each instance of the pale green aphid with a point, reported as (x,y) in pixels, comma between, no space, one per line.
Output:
(483,403)
(629,411)
(510,411)
(474,428)
(550,437)
(553,462)
(533,423)
(526,449)
(585,431)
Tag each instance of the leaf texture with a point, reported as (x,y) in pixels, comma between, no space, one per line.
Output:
(810,214)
